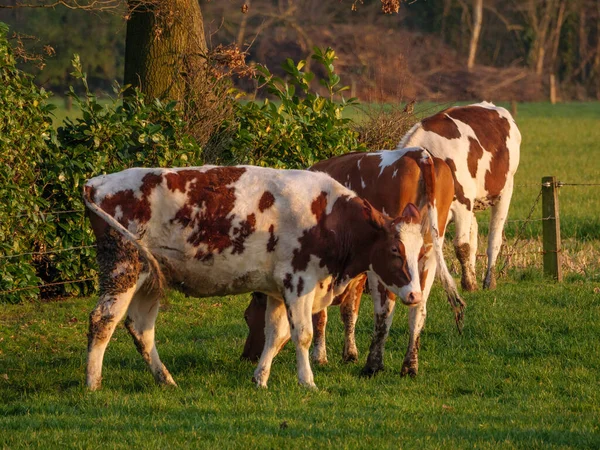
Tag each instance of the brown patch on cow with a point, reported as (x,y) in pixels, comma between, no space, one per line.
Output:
(210,200)
(319,205)
(442,125)
(423,278)
(492,131)
(300,285)
(287,283)
(475,154)
(132,207)
(266,201)
(459,193)
(272,239)
(241,233)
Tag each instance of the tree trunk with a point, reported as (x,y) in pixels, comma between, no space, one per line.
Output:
(477,18)
(164,47)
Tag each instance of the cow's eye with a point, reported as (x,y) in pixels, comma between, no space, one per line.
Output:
(395,250)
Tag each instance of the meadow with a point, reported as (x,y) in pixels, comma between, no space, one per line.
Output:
(524,374)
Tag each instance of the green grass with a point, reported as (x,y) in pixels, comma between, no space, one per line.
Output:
(524,374)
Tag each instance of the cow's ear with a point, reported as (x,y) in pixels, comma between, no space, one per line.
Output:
(373,216)
(410,214)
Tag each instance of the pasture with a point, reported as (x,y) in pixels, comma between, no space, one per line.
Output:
(524,374)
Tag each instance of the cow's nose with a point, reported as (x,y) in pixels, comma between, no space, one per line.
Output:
(414,298)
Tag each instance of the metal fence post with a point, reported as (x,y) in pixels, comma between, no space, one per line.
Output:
(551,229)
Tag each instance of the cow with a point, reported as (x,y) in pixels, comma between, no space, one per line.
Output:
(481,144)
(389,180)
(299,237)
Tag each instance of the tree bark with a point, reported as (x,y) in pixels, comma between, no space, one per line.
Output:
(165,47)
(477,19)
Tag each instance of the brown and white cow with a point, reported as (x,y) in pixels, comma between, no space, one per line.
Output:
(297,236)
(390,180)
(481,143)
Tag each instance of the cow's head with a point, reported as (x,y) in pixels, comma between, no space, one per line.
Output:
(395,256)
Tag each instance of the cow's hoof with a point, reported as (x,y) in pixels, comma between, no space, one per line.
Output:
(468,285)
(369,372)
(94,386)
(489,282)
(350,358)
(310,386)
(411,371)
(321,361)
(259,384)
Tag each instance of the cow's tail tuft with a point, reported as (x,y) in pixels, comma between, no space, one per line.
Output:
(157,278)
(456,302)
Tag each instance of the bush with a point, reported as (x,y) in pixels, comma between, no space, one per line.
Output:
(25,131)
(301,127)
(107,138)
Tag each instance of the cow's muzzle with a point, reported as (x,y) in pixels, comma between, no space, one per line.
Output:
(413,298)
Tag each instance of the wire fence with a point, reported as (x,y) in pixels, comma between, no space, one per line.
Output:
(517,247)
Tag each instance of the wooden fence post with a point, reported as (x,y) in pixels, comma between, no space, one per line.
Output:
(551,229)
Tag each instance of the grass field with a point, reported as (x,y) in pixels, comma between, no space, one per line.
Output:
(525,373)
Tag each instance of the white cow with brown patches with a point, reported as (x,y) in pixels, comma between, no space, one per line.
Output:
(481,144)
(390,180)
(297,236)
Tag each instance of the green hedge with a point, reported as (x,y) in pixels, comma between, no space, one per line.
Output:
(44,236)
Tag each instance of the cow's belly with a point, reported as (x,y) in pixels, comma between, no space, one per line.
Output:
(217,276)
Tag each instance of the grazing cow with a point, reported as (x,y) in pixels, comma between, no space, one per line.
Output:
(297,236)
(389,180)
(481,145)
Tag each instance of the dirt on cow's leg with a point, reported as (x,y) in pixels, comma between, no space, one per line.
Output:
(468,280)
(384,306)
(349,311)
(119,277)
(319,353)
(141,318)
(416,321)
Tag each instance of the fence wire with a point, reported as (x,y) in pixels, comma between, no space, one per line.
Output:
(516,248)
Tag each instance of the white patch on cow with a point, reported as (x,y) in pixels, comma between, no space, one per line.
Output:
(395,173)
(389,157)
(362,183)
(411,237)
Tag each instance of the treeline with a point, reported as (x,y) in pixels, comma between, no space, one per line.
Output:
(434,49)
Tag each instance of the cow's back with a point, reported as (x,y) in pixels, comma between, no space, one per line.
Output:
(480,143)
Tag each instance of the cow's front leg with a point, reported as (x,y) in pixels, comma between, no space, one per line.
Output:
(349,311)
(319,321)
(416,317)
(277,333)
(383,304)
(462,245)
(299,312)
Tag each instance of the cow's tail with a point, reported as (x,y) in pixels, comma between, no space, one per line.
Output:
(456,302)
(157,278)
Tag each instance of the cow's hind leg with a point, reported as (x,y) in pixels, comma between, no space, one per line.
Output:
(120,278)
(277,333)
(141,317)
(497,221)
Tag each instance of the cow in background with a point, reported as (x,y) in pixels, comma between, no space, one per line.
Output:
(481,144)
(390,180)
(299,237)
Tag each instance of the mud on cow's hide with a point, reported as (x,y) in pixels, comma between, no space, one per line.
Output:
(297,236)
